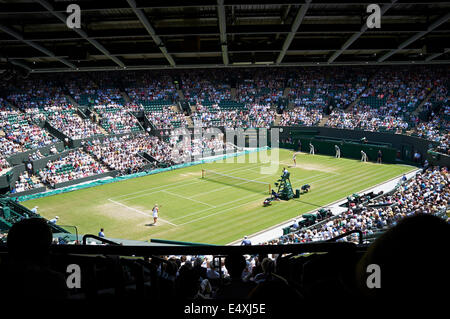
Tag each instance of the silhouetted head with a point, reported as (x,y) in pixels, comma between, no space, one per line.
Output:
(412,261)
(235,265)
(29,239)
(268,266)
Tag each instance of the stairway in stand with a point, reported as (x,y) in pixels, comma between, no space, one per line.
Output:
(72,100)
(176,108)
(277,119)
(323,120)
(125,96)
(189,121)
(425,100)
(233,94)
(358,98)
(96,119)
(180,94)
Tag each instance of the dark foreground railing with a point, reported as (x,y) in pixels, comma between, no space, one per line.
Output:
(120,250)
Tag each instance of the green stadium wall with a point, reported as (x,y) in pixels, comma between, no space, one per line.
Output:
(404,146)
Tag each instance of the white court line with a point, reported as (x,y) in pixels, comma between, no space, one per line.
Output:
(198,212)
(312,179)
(162,189)
(206,209)
(239,199)
(156,187)
(165,187)
(174,183)
(140,212)
(220,212)
(194,200)
(295,181)
(224,187)
(256,179)
(225,210)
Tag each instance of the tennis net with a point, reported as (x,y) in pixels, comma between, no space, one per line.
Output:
(239,182)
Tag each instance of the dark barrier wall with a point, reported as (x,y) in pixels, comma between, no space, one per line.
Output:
(348,149)
(148,123)
(404,145)
(137,118)
(81,113)
(19,158)
(29,192)
(101,137)
(148,157)
(9,179)
(5,178)
(55,132)
(86,179)
(41,163)
(438,159)
(77,143)
(17,171)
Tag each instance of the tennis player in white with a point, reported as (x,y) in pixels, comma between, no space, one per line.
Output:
(338,151)
(363,156)
(311,148)
(294,159)
(155,211)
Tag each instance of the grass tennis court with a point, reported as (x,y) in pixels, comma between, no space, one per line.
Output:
(199,210)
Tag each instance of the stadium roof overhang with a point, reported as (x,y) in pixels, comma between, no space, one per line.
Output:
(137,34)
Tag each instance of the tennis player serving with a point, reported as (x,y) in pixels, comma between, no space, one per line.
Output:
(155,212)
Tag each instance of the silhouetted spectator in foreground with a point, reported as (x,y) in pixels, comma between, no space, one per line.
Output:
(198,269)
(273,287)
(27,273)
(236,288)
(413,260)
(187,282)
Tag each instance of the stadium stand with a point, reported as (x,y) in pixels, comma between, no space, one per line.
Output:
(426,193)
(122,97)
(26,182)
(116,119)
(74,165)
(123,153)
(19,133)
(383,100)
(66,120)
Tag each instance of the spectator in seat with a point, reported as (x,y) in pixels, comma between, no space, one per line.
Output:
(246,241)
(295,225)
(211,272)
(199,270)
(53,220)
